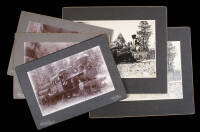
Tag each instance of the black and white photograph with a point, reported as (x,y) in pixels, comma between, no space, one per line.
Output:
(35,50)
(174,69)
(133,46)
(179,99)
(174,78)
(70,81)
(138,44)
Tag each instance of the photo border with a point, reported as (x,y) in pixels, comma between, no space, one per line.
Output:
(97,102)
(166,107)
(157,13)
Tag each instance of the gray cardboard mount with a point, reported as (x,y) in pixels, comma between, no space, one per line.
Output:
(160,107)
(44,121)
(18,52)
(157,13)
(26,17)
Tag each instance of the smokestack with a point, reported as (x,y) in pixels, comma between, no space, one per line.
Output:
(134,38)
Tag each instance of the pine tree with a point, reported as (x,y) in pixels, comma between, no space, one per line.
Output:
(143,34)
(120,41)
(170,56)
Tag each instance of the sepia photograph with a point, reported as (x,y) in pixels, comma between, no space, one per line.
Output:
(36,27)
(71,81)
(133,46)
(35,50)
(174,77)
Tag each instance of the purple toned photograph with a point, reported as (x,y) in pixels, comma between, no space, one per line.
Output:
(35,50)
(44,28)
(71,81)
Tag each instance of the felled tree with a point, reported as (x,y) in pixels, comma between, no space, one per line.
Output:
(143,34)
(170,56)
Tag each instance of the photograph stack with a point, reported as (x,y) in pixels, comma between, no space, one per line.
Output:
(124,62)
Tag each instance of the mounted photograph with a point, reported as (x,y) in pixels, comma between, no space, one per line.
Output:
(179,99)
(69,82)
(138,43)
(133,46)
(36,23)
(174,77)
(33,46)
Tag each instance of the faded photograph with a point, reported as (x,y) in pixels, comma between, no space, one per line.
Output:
(70,81)
(174,68)
(174,77)
(133,46)
(35,50)
(44,28)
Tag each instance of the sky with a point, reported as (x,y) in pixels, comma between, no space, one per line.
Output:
(126,27)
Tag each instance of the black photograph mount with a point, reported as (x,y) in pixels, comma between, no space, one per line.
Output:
(161,107)
(146,16)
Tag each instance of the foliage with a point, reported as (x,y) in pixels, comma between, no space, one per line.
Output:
(143,34)
(170,56)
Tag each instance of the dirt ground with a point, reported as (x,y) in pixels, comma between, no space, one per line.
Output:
(145,69)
